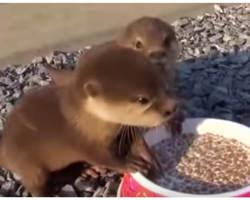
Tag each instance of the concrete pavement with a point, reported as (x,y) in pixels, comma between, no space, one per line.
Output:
(29,30)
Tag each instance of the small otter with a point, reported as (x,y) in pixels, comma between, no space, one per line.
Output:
(55,126)
(153,38)
(156,40)
(150,36)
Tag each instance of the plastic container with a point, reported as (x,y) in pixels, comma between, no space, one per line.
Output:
(137,185)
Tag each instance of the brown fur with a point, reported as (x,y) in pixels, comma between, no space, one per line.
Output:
(55,126)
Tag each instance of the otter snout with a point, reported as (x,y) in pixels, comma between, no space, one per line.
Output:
(170,112)
(158,54)
(158,57)
(170,108)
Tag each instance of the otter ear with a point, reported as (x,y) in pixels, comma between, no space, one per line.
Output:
(92,88)
(60,77)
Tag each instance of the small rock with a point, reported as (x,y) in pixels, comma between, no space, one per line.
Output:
(21,192)
(226,38)
(2,179)
(198,66)
(15,177)
(5,81)
(21,70)
(68,191)
(26,89)
(211,70)
(218,95)
(198,29)
(6,188)
(215,38)
(242,58)
(197,52)
(245,96)
(63,58)
(14,85)
(49,59)
(87,194)
(200,18)
(80,183)
(99,192)
(176,23)
(17,94)
(197,102)
(184,68)
(111,189)
(244,72)
(218,8)
(184,22)
(1,124)
(201,89)
(197,112)
(39,59)
(8,107)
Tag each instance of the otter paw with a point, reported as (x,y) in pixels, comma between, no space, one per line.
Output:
(137,164)
(93,171)
(174,125)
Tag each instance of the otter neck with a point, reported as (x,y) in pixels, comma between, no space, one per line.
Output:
(84,122)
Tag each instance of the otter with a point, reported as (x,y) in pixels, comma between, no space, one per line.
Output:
(155,39)
(57,125)
(150,36)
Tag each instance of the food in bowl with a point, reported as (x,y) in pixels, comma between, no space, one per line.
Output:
(202,164)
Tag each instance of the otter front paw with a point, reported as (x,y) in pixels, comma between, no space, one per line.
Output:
(137,164)
(174,125)
(93,171)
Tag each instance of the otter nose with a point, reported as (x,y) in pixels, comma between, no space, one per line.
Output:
(157,54)
(170,109)
(169,112)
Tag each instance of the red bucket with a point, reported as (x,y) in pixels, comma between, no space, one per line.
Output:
(131,188)
(137,185)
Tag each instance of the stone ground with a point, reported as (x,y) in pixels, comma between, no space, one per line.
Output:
(38,29)
(213,79)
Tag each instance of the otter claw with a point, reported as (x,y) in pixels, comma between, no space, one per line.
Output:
(93,172)
(137,164)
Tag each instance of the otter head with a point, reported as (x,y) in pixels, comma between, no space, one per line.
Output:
(154,38)
(119,85)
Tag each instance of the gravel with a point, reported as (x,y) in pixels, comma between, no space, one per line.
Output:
(213,81)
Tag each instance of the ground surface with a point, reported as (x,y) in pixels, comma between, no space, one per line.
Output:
(29,30)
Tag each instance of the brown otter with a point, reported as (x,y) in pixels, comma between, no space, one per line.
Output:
(55,126)
(153,38)
(156,40)
(150,36)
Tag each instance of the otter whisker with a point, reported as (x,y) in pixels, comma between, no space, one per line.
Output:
(130,140)
(121,139)
(134,133)
(137,132)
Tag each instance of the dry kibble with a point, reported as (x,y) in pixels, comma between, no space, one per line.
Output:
(205,164)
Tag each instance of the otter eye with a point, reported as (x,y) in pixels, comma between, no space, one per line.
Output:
(143,100)
(138,45)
